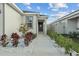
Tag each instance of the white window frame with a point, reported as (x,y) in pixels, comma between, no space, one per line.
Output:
(27,21)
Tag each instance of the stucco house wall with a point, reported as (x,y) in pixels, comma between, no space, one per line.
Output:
(67,24)
(45,28)
(12,20)
(63,25)
(1,18)
(58,27)
(34,22)
(12,17)
(36,19)
(72,25)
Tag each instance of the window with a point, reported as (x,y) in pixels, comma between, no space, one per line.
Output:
(29,21)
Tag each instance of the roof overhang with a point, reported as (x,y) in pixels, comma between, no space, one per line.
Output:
(69,16)
(31,14)
(22,13)
(41,16)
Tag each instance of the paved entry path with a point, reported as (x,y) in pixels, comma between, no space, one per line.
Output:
(40,46)
(43,45)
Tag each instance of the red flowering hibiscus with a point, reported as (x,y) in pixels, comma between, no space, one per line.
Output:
(28,38)
(15,37)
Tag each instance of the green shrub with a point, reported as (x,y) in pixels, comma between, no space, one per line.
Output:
(74,35)
(75,46)
(65,42)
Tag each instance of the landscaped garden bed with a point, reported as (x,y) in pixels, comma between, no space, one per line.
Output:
(15,38)
(23,34)
(65,42)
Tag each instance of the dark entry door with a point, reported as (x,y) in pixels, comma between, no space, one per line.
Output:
(40,26)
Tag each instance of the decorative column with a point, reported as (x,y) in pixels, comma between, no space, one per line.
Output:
(45,26)
(37,26)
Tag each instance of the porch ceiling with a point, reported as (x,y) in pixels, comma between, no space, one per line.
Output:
(41,20)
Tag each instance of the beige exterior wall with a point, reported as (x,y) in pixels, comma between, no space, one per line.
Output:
(72,25)
(66,26)
(45,26)
(60,27)
(34,23)
(12,20)
(1,18)
(34,28)
(78,24)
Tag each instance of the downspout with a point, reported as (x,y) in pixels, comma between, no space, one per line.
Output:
(3,18)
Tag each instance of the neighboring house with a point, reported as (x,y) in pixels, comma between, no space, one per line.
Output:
(11,17)
(67,24)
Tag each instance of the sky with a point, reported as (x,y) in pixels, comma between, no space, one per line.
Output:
(52,10)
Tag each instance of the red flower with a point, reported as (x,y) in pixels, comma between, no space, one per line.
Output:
(28,36)
(15,35)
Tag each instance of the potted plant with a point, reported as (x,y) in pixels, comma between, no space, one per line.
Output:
(4,40)
(27,38)
(15,37)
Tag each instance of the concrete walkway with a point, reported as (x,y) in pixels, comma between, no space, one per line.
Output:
(44,46)
(40,46)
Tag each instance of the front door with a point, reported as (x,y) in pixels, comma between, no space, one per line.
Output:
(40,26)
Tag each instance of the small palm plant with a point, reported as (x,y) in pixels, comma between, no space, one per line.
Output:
(23,29)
